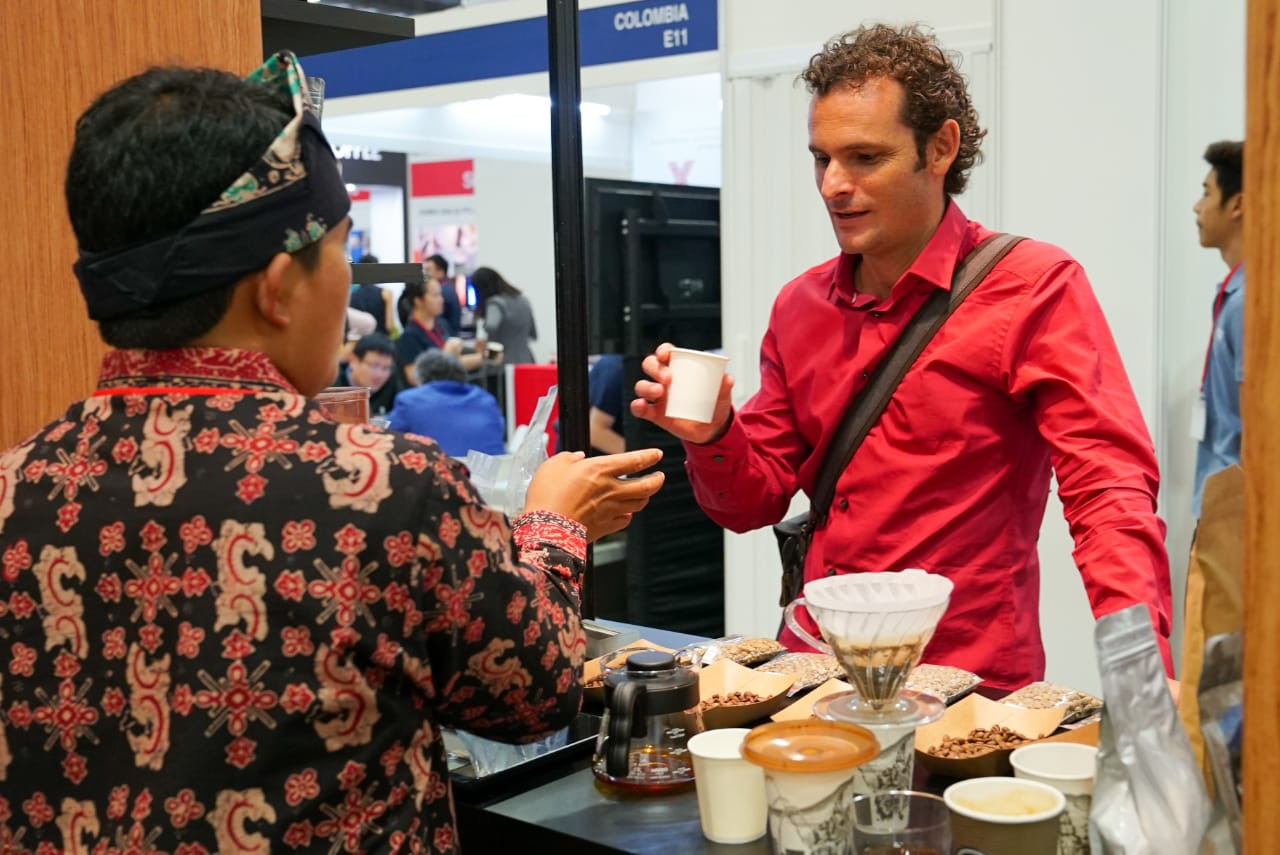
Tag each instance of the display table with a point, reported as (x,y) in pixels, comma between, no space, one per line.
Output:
(562,810)
(570,815)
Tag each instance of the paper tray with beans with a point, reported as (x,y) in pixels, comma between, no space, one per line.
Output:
(1044,695)
(810,669)
(945,682)
(737,648)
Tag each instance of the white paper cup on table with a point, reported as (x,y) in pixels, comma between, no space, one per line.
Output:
(695,384)
(1004,816)
(1069,769)
(731,800)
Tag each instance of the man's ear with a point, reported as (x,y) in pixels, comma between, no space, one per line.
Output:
(1235,206)
(942,148)
(273,289)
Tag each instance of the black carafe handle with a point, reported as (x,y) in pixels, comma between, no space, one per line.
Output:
(625,706)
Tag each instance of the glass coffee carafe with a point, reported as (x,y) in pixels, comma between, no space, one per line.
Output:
(651,709)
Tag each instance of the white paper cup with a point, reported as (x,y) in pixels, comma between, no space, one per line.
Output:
(892,768)
(695,384)
(1068,768)
(1004,816)
(731,798)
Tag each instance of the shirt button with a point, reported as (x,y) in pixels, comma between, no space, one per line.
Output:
(844,504)
(875,314)
(719,458)
(831,571)
(864,375)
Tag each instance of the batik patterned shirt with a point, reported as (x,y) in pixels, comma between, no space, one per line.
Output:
(228,624)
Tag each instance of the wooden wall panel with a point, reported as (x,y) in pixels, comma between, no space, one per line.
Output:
(1261,405)
(54,59)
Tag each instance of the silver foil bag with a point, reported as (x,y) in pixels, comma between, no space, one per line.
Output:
(1148,797)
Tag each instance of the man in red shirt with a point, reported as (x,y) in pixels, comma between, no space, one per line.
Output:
(1023,377)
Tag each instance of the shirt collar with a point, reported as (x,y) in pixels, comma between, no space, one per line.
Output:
(209,367)
(935,265)
(1234,280)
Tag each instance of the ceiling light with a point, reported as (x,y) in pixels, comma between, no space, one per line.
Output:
(541,103)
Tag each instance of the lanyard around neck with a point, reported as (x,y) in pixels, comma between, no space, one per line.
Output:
(1217,310)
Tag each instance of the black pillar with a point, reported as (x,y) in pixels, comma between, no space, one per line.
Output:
(567,210)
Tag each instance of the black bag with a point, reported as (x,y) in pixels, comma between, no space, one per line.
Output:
(795,533)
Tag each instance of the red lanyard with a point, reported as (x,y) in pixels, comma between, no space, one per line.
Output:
(1217,309)
(432,333)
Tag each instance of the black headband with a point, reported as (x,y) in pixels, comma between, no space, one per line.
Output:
(287,200)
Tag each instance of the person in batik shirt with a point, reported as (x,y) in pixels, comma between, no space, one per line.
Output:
(228,624)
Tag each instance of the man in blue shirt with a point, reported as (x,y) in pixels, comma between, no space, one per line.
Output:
(456,414)
(1220,220)
(437,268)
(604,419)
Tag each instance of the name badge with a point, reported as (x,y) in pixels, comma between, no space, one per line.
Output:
(1198,417)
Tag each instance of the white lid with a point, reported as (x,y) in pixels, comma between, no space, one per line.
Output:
(896,591)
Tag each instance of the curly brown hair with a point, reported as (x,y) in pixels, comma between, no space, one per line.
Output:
(935,89)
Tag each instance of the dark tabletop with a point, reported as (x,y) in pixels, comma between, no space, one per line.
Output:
(561,810)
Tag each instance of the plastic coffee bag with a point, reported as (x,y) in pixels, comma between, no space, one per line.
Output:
(1148,796)
(1222,722)
(503,480)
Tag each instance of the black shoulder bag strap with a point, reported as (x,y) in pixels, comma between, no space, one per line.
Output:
(867,406)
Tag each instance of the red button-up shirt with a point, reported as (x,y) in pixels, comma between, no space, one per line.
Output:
(955,475)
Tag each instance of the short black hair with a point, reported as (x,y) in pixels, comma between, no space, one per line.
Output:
(1227,159)
(149,155)
(373,343)
(438,261)
(367,258)
(434,365)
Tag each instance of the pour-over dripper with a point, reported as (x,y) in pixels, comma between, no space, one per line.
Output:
(877,626)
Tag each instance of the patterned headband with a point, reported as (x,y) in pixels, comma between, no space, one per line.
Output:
(287,200)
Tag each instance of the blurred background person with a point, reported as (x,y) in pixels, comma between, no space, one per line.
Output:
(372,364)
(507,313)
(435,267)
(376,301)
(605,394)
(444,406)
(425,329)
(1216,423)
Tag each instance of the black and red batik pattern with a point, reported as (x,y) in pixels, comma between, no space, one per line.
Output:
(230,625)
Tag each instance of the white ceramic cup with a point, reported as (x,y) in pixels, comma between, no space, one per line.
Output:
(695,384)
(731,797)
(1068,768)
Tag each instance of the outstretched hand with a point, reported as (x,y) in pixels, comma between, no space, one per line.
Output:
(650,403)
(592,490)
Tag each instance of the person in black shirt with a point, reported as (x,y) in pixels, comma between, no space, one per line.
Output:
(372,364)
(375,300)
